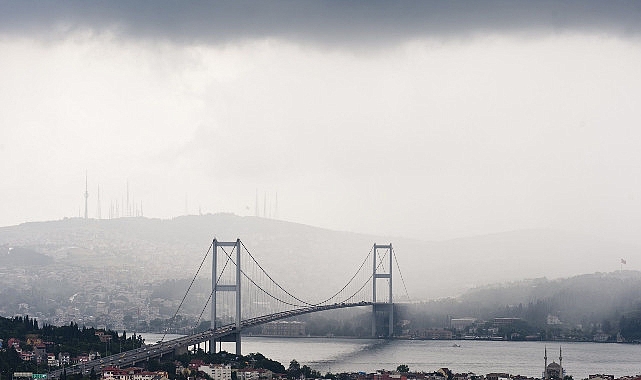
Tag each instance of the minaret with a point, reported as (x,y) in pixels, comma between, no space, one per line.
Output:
(86,196)
(560,364)
(545,368)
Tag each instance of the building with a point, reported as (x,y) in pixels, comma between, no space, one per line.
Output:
(601,377)
(553,371)
(217,371)
(114,373)
(460,324)
(132,373)
(52,361)
(497,376)
(253,374)
(64,358)
(553,320)
(435,334)
(601,337)
(505,321)
(194,364)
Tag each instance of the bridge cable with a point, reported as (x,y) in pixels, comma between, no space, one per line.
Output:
(350,280)
(210,295)
(380,262)
(328,299)
(401,274)
(263,290)
(188,289)
(270,277)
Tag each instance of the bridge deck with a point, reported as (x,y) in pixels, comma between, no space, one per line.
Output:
(147,352)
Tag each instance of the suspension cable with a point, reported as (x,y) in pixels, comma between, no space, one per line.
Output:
(263,290)
(380,262)
(303,303)
(270,277)
(350,280)
(210,296)
(188,289)
(401,274)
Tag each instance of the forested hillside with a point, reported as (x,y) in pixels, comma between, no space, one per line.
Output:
(602,302)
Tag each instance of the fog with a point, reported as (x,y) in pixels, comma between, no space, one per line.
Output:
(427,120)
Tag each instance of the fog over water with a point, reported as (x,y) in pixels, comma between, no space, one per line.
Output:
(427,120)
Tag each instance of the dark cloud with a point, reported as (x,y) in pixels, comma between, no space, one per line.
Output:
(321,22)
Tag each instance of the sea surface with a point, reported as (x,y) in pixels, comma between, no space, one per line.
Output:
(480,357)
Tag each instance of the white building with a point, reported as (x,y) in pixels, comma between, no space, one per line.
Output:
(217,371)
(254,374)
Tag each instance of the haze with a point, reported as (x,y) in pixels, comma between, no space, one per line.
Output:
(420,119)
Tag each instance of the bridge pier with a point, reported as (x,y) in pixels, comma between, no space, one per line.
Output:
(216,287)
(385,307)
(383,320)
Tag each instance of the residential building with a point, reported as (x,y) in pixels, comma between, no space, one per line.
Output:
(216,371)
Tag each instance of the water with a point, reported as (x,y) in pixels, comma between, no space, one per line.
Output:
(481,357)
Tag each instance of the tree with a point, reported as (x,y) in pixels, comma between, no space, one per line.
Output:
(309,373)
(403,368)
(294,372)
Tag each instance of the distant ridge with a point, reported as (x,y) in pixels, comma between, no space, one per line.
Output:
(300,256)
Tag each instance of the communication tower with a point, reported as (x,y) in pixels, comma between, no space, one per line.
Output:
(86,196)
(98,209)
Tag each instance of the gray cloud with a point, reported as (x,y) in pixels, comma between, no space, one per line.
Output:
(320,22)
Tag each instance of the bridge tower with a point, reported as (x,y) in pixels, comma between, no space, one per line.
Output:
(216,287)
(384,307)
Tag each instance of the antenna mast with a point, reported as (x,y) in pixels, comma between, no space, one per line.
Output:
(86,195)
(98,210)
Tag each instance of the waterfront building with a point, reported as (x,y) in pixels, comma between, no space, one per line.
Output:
(460,324)
(434,334)
(505,321)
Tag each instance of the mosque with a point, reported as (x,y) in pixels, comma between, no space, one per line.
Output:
(553,371)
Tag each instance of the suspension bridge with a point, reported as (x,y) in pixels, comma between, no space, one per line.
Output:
(244,295)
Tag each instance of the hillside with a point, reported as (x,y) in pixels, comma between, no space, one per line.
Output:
(585,304)
(301,256)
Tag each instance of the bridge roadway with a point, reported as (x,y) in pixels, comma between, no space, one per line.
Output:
(147,352)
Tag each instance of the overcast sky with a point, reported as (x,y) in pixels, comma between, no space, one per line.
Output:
(422,119)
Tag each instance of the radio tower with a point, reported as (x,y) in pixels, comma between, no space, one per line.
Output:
(98,209)
(86,195)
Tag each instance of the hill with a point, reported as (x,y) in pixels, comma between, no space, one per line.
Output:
(576,306)
(300,256)
(22,257)
(129,272)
